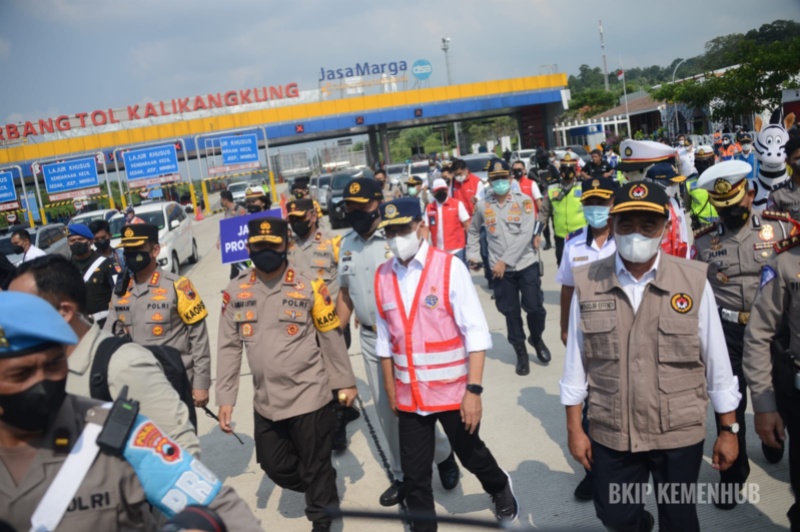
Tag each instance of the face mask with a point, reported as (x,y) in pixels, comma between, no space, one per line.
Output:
(412,191)
(18,250)
(441,196)
(253,208)
(746,147)
(128,218)
(501,186)
(637,248)
(596,215)
(34,409)
(79,249)
(552,160)
(672,190)
(461,178)
(734,217)
(299,195)
(405,247)
(381,182)
(137,261)
(518,173)
(362,221)
(102,244)
(301,229)
(725,142)
(268,260)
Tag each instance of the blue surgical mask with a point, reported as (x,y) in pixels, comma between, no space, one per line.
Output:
(501,186)
(596,215)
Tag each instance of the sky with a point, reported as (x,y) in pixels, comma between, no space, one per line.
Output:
(70,56)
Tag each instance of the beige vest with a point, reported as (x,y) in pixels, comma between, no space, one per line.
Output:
(647,382)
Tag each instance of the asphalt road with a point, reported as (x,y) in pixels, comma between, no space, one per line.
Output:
(523,425)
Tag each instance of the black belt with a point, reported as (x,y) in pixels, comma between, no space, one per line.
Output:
(373,328)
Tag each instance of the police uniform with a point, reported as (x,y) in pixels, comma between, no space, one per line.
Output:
(646,352)
(786,199)
(165,309)
(300,190)
(735,258)
(359,259)
(510,231)
(277,322)
(562,203)
(111,494)
(696,199)
(773,374)
(316,254)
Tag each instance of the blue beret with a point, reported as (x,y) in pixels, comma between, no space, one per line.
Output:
(28,322)
(80,230)
(400,211)
(665,172)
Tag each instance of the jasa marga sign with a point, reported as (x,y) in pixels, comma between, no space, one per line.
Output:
(363,69)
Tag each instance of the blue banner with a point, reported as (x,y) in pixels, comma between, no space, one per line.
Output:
(7,191)
(233,234)
(239,149)
(71,175)
(150,162)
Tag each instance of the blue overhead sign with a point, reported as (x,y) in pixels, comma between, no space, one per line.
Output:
(7,191)
(239,149)
(70,175)
(151,162)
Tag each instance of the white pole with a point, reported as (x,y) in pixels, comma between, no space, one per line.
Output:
(625,95)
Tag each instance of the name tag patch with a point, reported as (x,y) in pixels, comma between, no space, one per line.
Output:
(594,306)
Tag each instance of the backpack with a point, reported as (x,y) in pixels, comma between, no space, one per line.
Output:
(168,357)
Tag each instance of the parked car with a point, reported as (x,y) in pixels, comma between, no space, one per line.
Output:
(477,163)
(238,190)
(319,187)
(174,233)
(86,218)
(396,174)
(51,238)
(335,198)
(577,149)
(418,169)
(524,156)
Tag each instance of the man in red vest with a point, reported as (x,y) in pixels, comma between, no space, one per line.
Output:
(527,186)
(466,184)
(448,220)
(432,341)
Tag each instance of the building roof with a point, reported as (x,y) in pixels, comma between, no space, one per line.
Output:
(638,106)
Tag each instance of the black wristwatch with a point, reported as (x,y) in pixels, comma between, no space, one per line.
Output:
(477,389)
(727,428)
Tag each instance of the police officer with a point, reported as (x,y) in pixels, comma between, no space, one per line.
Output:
(562,204)
(300,190)
(513,259)
(57,281)
(747,154)
(255,200)
(362,251)
(102,243)
(597,167)
(161,308)
(736,249)
(276,314)
(774,374)
(643,343)
(99,273)
(40,424)
(700,209)
(546,174)
(665,175)
(787,197)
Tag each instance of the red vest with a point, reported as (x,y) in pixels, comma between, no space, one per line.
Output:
(466,191)
(452,230)
(526,186)
(672,243)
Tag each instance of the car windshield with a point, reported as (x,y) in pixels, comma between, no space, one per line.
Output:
(579,150)
(477,165)
(418,168)
(526,154)
(86,219)
(325,181)
(237,187)
(5,246)
(154,217)
(394,169)
(340,180)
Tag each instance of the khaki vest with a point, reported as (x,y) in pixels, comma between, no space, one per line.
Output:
(647,382)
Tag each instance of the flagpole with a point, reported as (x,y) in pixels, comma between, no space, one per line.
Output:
(625,95)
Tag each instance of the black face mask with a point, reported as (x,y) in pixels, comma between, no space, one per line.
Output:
(301,229)
(734,217)
(440,196)
(18,250)
(137,261)
(362,221)
(102,244)
(79,249)
(518,173)
(268,260)
(253,208)
(34,409)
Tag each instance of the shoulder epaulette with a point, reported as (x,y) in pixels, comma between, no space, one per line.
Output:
(575,233)
(704,230)
(289,278)
(778,215)
(787,244)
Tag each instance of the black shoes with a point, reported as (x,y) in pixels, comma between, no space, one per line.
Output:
(506,507)
(449,473)
(523,363)
(727,495)
(542,352)
(321,526)
(649,522)
(394,495)
(584,490)
(547,246)
(772,454)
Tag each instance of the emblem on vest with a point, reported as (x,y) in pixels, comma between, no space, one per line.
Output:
(681,303)
(431,301)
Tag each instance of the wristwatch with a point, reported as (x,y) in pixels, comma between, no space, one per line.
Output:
(477,389)
(728,428)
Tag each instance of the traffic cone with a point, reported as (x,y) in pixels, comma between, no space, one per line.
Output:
(198,214)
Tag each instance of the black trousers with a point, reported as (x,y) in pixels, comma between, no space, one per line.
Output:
(546,233)
(613,469)
(734,339)
(524,285)
(417,442)
(295,454)
(789,407)
(559,249)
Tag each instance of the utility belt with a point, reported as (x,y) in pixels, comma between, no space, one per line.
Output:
(733,316)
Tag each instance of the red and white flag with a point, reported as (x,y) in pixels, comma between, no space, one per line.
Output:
(620,74)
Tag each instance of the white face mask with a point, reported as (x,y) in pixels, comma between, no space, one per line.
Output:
(461,178)
(405,247)
(672,190)
(637,248)
(746,147)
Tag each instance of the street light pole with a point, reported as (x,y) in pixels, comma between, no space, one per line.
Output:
(674,102)
(445,49)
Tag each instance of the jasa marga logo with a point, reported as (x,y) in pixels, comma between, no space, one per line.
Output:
(363,69)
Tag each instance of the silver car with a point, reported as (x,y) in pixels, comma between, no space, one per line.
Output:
(51,238)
